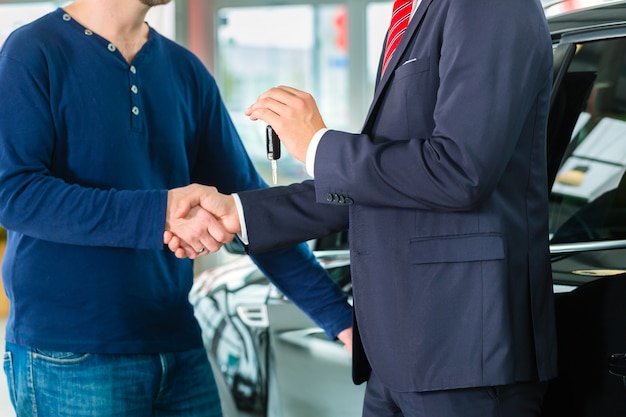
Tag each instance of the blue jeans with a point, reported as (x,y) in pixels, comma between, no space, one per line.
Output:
(64,384)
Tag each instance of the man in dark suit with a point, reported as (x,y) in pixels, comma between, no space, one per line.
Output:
(444,194)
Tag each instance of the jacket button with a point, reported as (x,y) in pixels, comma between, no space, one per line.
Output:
(329,197)
(348,201)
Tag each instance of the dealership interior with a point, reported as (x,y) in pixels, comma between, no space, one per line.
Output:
(249,46)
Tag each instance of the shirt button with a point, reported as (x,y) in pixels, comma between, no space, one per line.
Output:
(111,47)
(67,17)
(134,89)
(133,69)
(88,32)
(135,110)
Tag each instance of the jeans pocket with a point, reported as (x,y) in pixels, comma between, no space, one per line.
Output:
(59,357)
(10,375)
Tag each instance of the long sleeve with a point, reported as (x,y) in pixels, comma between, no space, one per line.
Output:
(49,198)
(297,274)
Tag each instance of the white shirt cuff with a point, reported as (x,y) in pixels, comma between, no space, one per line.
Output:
(312,150)
(243,235)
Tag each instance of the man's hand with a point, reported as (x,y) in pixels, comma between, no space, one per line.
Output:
(198,233)
(216,220)
(345,337)
(293,114)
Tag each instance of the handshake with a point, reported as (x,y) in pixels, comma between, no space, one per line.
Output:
(199,220)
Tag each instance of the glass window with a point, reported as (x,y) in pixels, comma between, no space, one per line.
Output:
(378,18)
(13,16)
(588,200)
(304,46)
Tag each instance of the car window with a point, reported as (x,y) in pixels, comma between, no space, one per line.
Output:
(588,199)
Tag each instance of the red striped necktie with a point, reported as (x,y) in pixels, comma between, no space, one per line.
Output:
(399,22)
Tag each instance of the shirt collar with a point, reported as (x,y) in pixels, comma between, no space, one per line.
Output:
(416,4)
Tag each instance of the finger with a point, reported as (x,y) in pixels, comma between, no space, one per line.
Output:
(182,209)
(190,252)
(182,253)
(291,91)
(174,244)
(181,249)
(275,99)
(223,208)
(219,233)
(267,108)
(202,252)
(209,245)
(211,237)
(268,116)
(191,234)
(284,93)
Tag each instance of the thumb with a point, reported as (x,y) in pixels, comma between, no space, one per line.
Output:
(182,209)
(223,207)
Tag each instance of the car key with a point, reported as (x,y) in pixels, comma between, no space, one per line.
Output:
(273,150)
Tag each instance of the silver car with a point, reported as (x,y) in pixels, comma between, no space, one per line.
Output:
(273,359)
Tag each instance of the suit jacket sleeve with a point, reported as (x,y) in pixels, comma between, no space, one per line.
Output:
(279,216)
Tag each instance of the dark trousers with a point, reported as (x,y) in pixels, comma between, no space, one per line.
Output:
(515,400)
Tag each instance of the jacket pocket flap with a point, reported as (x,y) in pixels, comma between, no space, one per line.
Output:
(464,248)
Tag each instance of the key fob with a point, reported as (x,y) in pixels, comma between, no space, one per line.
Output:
(272,144)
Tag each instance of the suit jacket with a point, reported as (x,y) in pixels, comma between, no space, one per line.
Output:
(444,194)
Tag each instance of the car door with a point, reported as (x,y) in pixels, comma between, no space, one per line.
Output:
(587,166)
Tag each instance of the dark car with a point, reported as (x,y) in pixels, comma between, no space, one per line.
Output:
(276,362)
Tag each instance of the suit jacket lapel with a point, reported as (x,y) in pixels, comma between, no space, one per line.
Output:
(404,43)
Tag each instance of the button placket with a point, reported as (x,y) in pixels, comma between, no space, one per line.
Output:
(135,99)
(135,107)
